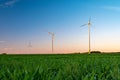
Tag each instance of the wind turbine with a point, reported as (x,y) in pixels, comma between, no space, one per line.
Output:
(52,36)
(88,24)
(29,46)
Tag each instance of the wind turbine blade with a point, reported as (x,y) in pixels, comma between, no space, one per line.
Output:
(83,25)
(89,22)
(90,19)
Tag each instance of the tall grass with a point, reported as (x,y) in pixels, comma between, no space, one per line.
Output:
(60,67)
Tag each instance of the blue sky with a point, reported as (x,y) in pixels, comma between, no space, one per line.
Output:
(22,21)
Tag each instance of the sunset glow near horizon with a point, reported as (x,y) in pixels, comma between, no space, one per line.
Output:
(22,21)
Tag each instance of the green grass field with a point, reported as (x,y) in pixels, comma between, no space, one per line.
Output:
(60,67)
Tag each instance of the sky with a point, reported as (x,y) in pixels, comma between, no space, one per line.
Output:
(24,25)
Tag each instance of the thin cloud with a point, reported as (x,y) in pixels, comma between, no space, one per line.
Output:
(113,8)
(10,3)
(2,41)
(7,3)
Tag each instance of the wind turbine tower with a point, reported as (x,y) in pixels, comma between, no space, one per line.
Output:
(88,24)
(29,44)
(52,36)
(29,47)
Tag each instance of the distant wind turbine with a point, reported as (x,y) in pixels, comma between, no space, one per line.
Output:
(29,44)
(52,36)
(88,24)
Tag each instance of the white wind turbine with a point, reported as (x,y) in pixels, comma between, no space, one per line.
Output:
(88,24)
(29,46)
(52,36)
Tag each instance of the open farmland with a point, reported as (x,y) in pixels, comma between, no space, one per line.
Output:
(60,67)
